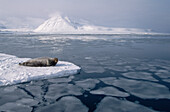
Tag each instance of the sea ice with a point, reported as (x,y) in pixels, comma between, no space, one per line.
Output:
(58,90)
(117,68)
(61,80)
(167,80)
(139,75)
(110,91)
(66,104)
(87,84)
(27,101)
(15,107)
(11,95)
(12,73)
(163,73)
(143,89)
(108,80)
(93,69)
(110,104)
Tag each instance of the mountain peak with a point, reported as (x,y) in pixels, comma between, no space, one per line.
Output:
(64,25)
(56,24)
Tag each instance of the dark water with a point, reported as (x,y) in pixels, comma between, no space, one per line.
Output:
(120,73)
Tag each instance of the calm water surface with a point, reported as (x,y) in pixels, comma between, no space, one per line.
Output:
(119,73)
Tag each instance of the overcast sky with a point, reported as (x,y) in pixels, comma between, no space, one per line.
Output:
(146,14)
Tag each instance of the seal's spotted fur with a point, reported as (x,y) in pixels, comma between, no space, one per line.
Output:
(40,62)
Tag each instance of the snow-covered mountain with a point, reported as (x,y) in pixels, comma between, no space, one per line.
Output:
(64,25)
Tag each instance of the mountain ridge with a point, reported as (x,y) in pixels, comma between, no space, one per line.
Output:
(65,25)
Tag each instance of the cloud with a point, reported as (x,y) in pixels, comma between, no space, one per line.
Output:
(148,14)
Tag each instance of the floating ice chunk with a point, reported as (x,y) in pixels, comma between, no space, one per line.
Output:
(61,80)
(12,73)
(57,90)
(93,69)
(110,91)
(108,80)
(117,68)
(66,104)
(87,84)
(166,80)
(110,104)
(143,89)
(88,58)
(11,96)
(163,73)
(139,75)
(35,90)
(15,107)
(27,101)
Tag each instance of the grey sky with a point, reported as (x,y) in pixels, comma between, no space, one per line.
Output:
(147,14)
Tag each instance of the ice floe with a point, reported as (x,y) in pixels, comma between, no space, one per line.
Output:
(12,73)
(87,84)
(110,91)
(163,73)
(143,89)
(11,94)
(139,75)
(108,80)
(15,107)
(58,90)
(65,104)
(110,104)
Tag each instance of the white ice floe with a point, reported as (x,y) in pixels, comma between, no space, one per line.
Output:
(12,73)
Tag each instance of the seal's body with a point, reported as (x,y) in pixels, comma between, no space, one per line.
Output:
(40,62)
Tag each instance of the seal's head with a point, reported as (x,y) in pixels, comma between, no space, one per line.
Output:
(56,60)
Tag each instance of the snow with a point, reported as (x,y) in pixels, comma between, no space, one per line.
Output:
(12,73)
(64,25)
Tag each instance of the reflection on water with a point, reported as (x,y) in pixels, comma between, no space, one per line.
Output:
(119,72)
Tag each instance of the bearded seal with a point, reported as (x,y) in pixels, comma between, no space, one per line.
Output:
(40,62)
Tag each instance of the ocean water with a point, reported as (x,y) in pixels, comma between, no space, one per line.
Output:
(119,73)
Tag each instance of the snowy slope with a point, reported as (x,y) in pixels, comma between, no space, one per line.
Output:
(65,25)
(12,73)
